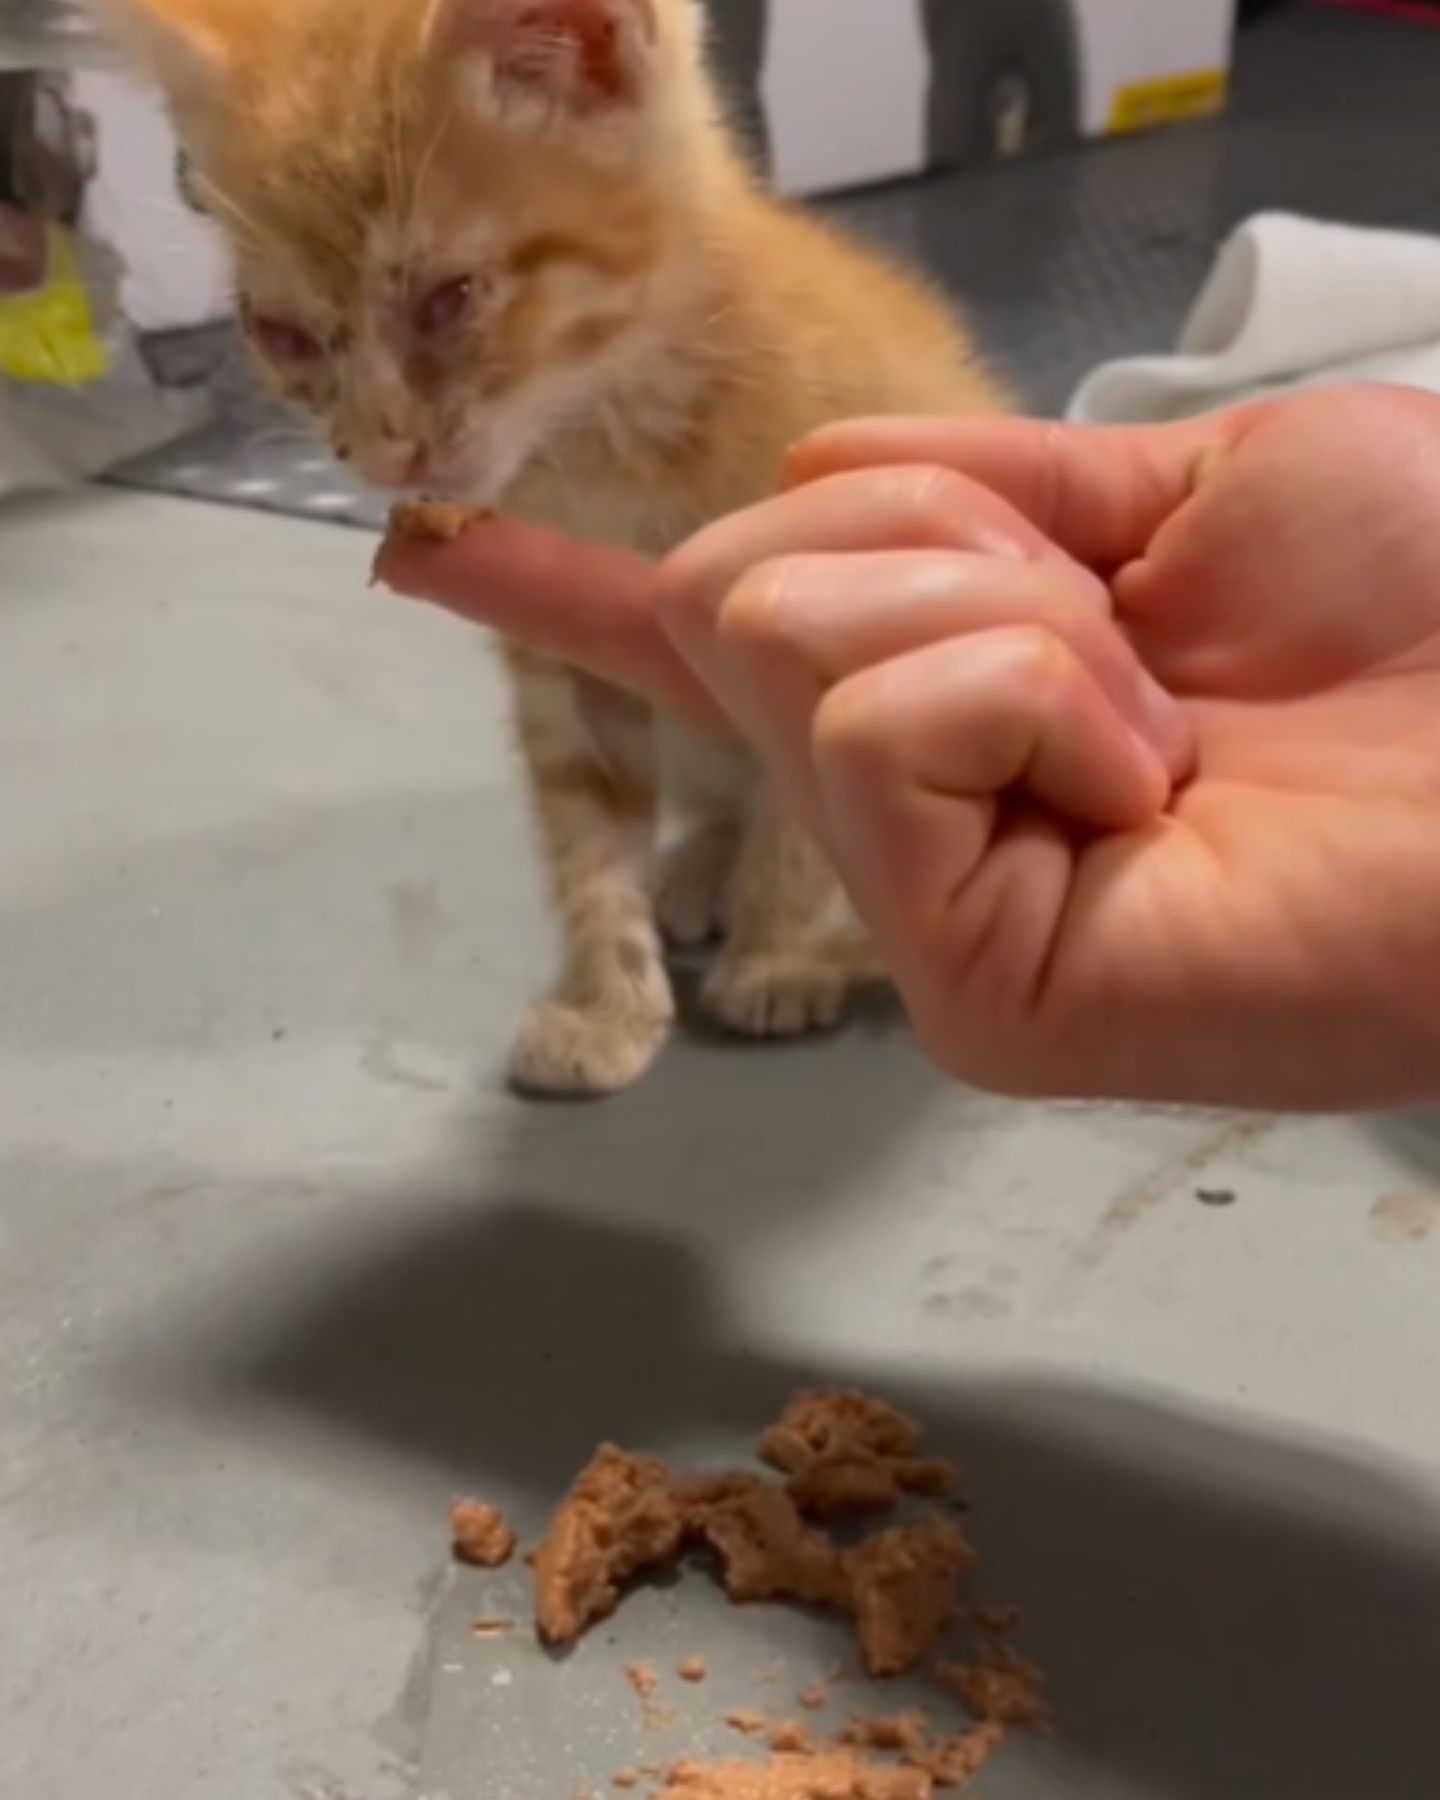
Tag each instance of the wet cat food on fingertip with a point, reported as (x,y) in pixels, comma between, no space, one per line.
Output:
(435,521)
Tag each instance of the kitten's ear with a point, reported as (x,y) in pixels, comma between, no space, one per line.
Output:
(570,56)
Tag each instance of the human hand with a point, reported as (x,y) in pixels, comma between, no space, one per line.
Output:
(1274,939)
(959,723)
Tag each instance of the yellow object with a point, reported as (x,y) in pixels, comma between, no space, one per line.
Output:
(1168,101)
(47,334)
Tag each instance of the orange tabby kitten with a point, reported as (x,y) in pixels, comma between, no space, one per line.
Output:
(507,252)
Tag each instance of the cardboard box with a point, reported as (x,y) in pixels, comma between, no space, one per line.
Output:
(839,93)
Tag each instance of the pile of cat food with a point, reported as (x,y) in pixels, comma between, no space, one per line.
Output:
(814,1533)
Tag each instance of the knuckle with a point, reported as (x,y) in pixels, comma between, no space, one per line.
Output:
(930,499)
(854,726)
(1042,667)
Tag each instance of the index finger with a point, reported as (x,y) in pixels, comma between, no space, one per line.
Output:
(923,506)
(1099,492)
(589,604)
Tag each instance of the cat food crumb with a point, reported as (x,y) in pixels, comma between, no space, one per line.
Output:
(905,1591)
(818,1424)
(813,1699)
(907,1731)
(627,1778)
(694,1669)
(999,1621)
(954,1762)
(1000,1688)
(791,1738)
(480,1535)
(628,1515)
(849,1453)
(622,1518)
(834,1776)
(748,1724)
(768,1552)
(434,521)
(643,1679)
(488,1628)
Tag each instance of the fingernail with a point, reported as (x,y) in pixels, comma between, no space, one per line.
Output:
(792,468)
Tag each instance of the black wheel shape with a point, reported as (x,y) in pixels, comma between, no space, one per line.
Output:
(1005,77)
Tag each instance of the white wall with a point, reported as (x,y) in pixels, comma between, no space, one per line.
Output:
(845,86)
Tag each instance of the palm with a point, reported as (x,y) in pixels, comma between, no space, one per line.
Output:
(1293,605)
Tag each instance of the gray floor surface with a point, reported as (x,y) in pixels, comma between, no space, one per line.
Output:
(282,1267)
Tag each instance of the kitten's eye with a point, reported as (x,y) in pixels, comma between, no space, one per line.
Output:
(444,308)
(283,342)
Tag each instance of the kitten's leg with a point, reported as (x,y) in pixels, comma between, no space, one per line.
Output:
(589,754)
(710,785)
(793,949)
(694,876)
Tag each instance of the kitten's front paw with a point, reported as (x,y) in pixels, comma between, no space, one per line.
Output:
(582,1053)
(781,994)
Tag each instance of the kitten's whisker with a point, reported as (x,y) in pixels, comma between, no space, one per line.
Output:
(242,223)
(394,136)
(422,171)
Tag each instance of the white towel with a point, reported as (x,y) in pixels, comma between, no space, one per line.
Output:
(1290,303)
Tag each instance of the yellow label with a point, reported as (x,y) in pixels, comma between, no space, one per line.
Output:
(1167,102)
(47,335)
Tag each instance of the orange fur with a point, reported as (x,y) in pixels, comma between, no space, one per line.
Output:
(642,334)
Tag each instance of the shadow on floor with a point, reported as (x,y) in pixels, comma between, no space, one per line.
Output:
(1221,1614)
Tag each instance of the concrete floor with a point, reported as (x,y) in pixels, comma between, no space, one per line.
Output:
(281,1267)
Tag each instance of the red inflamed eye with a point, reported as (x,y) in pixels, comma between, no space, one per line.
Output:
(444,308)
(283,342)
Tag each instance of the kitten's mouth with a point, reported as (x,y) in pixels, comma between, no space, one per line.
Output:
(477,475)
